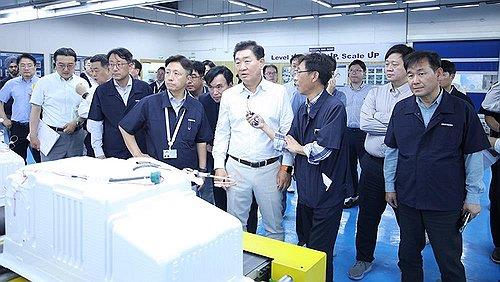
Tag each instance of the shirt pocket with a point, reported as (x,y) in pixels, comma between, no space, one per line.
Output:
(190,128)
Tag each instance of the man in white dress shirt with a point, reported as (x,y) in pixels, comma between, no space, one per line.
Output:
(252,160)
(56,95)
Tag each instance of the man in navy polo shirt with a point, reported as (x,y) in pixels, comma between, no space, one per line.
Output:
(176,126)
(317,137)
(433,169)
(111,102)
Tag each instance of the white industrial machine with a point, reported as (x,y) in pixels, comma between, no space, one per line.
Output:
(9,163)
(85,219)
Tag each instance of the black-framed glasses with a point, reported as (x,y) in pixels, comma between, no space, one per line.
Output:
(301,71)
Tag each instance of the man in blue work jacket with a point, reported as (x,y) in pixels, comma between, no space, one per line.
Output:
(177,129)
(433,169)
(111,102)
(317,137)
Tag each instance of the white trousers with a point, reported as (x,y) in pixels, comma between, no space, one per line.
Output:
(262,182)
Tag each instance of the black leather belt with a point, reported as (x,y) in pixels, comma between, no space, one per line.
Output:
(59,129)
(25,124)
(256,164)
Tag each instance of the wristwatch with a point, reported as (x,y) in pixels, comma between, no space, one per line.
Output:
(202,170)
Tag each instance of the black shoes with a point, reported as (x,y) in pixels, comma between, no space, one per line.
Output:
(495,256)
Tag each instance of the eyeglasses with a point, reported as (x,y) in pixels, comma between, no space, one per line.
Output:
(118,65)
(28,66)
(64,66)
(301,71)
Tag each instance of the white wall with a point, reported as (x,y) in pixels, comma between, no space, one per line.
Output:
(447,24)
(88,35)
(93,34)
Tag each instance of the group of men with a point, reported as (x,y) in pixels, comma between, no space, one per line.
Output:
(417,139)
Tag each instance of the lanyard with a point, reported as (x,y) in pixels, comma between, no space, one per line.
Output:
(171,139)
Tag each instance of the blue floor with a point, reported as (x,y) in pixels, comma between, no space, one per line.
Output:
(476,255)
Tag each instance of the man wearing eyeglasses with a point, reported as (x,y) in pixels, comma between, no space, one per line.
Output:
(195,84)
(356,92)
(112,101)
(56,95)
(19,89)
(317,138)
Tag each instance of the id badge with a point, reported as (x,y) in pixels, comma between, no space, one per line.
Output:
(170,154)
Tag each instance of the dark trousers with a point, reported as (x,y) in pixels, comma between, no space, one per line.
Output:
(356,139)
(495,204)
(21,144)
(319,227)
(371,206)
(88,145)
(446,242)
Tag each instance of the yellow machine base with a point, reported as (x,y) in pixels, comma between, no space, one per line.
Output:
(302,264)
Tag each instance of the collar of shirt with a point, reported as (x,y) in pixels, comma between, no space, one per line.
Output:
(310,106)
(434,104)
(66,80)
(173,99)
(129,83)
(401,89)
(32,79)
(359,88)
(174,103)
(263,85)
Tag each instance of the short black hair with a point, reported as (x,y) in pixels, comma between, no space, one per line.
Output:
(209,63)
(87,59)
(122,53)
(334,63)
(101,58)
(296,57)
(26,56)
(215,71)
(448,66)
(185,62)
(137,65)
(199,67)
(360,63)
(321,63)
(270,66)
(418,56)
(161,68)
(401,49)
(64,52)
(251,45)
